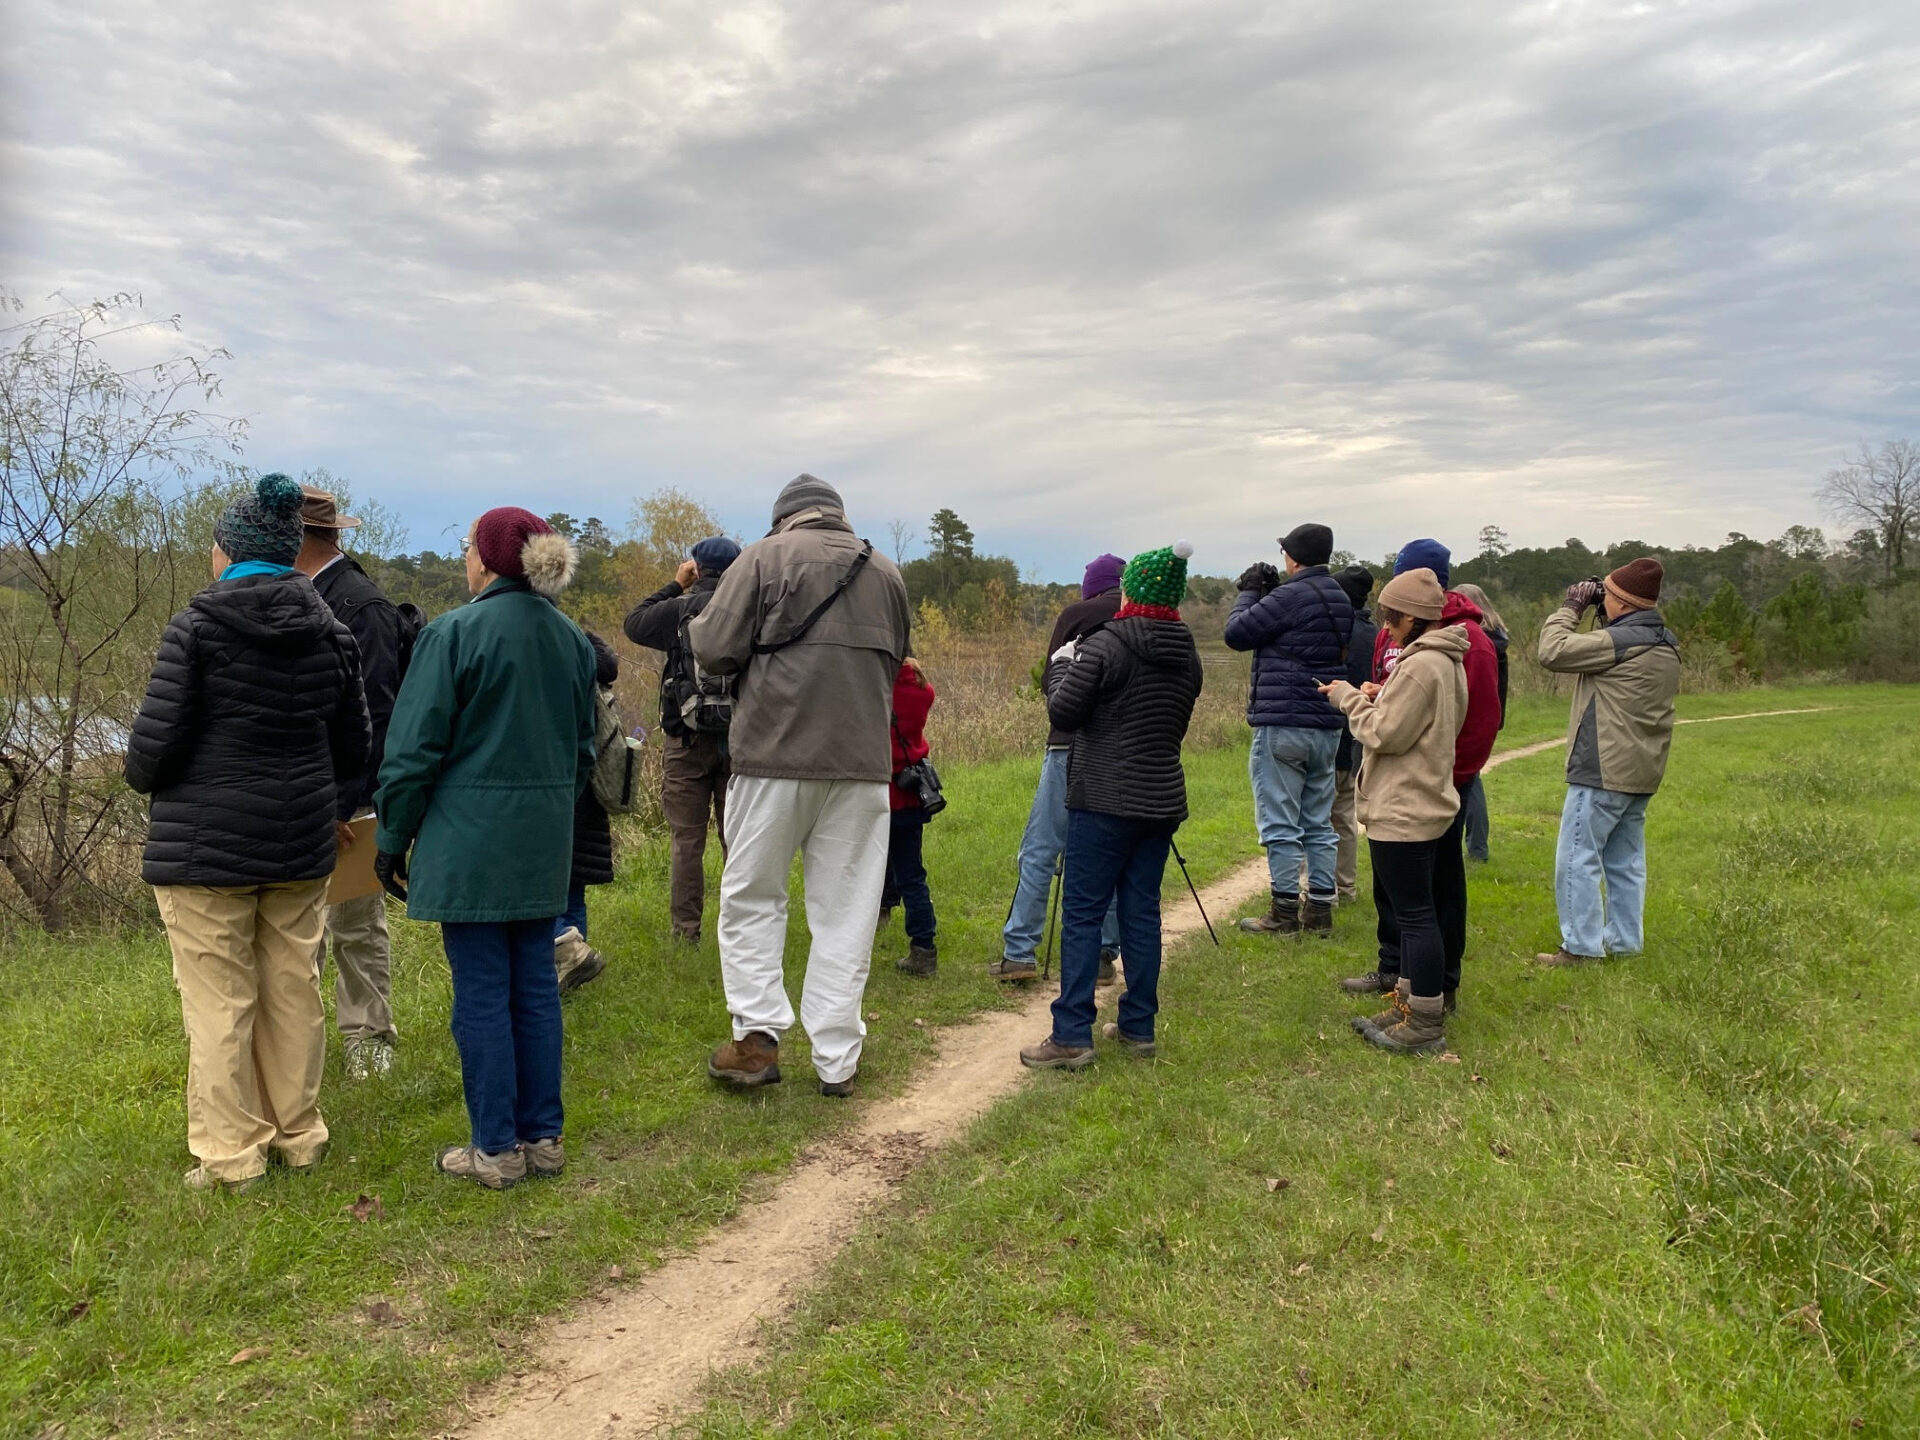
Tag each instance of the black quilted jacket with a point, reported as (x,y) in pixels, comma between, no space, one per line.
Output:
(592,831)
(1126,699)
(254,708)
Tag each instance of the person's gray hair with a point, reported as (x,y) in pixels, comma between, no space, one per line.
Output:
(1489,617)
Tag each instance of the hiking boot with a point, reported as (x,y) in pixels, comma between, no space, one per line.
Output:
(201,1178)
(1417,1032)
(1019,970)
(1450,1006)
(687,937)
(1395,1012)
(1345,897)
(1049,1056)
(1282,919)
(1106,975)
(368,1056)
(545,1158)
(470,1162)
(1371,983)
(839,1089)
(575,961)
(1142,1048)
(1563,957)
(919,960)
(885,918)
(749,1062)
(293,1166)
(1317,918)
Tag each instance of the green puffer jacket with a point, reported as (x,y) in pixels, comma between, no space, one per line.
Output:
(491,742)
(1627,674)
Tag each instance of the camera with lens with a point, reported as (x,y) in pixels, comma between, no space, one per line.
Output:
(922,782)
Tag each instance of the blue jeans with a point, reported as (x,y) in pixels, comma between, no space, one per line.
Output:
(1292,773)
(574,917)
(506,1025)
(907,875)
(1473,805)
(1111,861)
(1041,847)
(1603,836)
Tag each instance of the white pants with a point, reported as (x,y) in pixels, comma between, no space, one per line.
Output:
(839,827)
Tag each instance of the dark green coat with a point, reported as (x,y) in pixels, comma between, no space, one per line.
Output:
(491,741)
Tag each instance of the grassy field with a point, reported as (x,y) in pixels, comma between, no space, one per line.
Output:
(1675,1195)
(1672,1196)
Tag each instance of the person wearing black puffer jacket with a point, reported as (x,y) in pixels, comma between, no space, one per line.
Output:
(1125,693)
(574,960)
(255,714)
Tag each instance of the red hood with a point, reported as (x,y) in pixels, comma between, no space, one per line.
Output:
(1482,666)
(1459,608)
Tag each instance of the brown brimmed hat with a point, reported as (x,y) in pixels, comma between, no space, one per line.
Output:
(320,511)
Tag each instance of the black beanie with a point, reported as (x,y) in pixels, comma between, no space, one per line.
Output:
(1308,544)
(1357,581)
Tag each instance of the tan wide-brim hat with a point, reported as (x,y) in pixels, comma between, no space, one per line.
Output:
(321,511)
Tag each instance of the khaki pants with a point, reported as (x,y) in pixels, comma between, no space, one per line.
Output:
(693,785)
(1346,831)
(256,1029)
(363,979)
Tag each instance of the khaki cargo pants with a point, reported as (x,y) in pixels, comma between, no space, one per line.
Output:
(256,1028)
(693,784)
(363,978)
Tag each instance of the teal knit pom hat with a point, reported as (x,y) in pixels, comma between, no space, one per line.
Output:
(265,525)
(1158,577)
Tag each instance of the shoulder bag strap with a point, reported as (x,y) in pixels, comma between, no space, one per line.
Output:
(859,564)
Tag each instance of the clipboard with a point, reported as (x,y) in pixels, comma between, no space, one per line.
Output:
(353,875)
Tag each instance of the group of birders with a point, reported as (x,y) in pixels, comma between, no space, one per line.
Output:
(301,728)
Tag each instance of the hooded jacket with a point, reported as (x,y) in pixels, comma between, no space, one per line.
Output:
(1126,698)
(374,623)
(1073,622)
(912,703)
(1298,632)
(254,717)
(1482,668)
(1406,789)
(816,709)
(1359,671)
(1626,675)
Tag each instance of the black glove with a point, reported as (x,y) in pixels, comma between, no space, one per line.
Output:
(1262,578)
(1581,594)
(391,868)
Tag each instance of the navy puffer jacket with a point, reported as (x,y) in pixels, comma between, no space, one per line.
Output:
(1296,632)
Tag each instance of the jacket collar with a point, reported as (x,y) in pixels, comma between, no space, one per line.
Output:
(505,585)
(816,518)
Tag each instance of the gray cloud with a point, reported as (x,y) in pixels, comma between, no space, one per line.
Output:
(1093,273)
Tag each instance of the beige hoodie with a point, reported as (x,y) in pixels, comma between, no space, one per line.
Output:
(1406,781)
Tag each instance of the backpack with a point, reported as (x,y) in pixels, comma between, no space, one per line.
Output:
(412,621)
(704,700)
(616,756)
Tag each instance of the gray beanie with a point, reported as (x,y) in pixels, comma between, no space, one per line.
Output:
(806,492)
(263,524)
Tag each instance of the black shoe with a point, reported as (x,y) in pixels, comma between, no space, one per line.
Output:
(1373,982)
(919,960)
(839,1089)
(1106,975)
(1449,1007)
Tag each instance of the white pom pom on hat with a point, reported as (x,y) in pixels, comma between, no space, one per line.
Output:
(1183,548)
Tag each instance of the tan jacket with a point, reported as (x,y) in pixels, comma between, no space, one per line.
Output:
(820,708)
(1406,781)
(1627,674)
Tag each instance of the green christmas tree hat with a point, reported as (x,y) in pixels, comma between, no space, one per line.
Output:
(1156,580)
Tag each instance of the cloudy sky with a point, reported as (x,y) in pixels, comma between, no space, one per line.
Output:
(1094,273)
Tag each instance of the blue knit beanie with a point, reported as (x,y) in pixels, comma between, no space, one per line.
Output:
(1425,555)
(714,554)
(264,525)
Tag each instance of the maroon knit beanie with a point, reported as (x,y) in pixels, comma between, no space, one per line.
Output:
(501,534)
(1637,583)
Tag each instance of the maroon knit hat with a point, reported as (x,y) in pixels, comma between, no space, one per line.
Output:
(501,534)
(1637,583)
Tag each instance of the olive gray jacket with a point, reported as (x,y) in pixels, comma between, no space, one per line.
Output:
(1625,677)
(818,709)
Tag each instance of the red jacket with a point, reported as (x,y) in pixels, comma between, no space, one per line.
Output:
(912,702)
(1477,731)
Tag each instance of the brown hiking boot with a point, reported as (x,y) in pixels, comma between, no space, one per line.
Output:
(1106,975)
(574,961)
(1564,956)
(1374,982)
(1317,918)
(1417,1032)
(1395,1012)
(469,1162)
(1283,918)
(919,960)
(839,1089)
(1049,1056)
(1143,1049)
(545,1158)
(201,1178)
(1017,970)
(749,1062)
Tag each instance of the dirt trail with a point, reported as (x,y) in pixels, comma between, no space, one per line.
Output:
(628,1362)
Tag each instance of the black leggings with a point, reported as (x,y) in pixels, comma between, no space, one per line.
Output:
(1449,904)
(1403,875)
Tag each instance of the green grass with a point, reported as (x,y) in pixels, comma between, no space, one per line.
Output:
(1698,1146)
(123,1296)
(1678,1195)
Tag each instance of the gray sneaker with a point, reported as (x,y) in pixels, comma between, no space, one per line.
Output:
(1144,1049)
(545,1158)
(368,1057)
(469,1162)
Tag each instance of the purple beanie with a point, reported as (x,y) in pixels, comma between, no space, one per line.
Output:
(1102,575)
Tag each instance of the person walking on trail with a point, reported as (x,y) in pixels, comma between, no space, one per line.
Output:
(1427,554)
(695,713)
(575,962)
(1407,799)
(1125,692)
(491,744)
(906,884)
(1473,799)
(812,623)
(362,949)
(1357,581)
(1472,747)
(1626,672)
(1300,630)
(1045,838)
(253,722)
